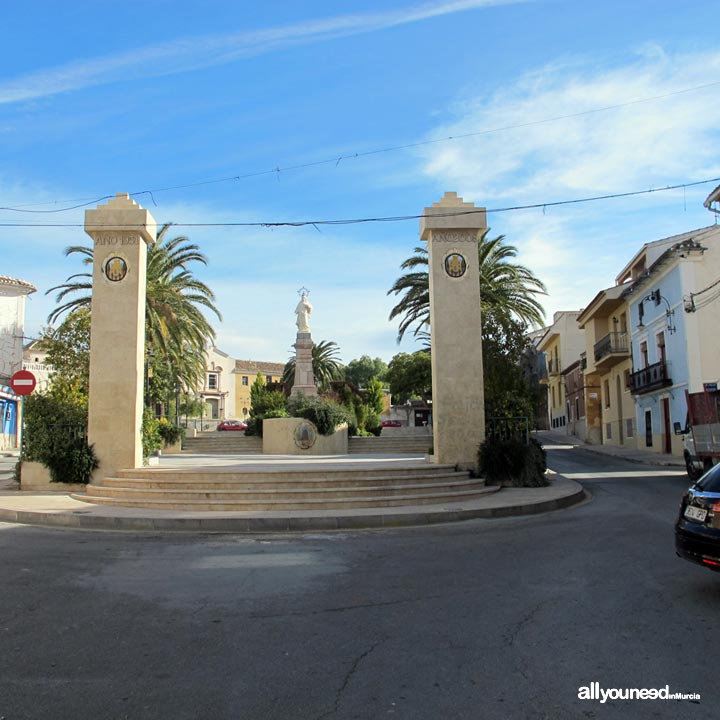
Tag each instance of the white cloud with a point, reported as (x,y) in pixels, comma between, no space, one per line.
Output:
(608,151)
(577,250)
(205,51)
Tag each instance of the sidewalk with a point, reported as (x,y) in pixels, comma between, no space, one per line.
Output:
(646,457)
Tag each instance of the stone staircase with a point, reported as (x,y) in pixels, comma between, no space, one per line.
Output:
(390,444)
(223,443)
(299,487)
(231,443)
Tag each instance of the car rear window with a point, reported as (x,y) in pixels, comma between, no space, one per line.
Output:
(710,482)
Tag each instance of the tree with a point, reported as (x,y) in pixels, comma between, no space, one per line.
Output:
(362,370)
(325,362)
(503,284)
(68,348)
(375,395)
(410,376)
(176,330)
(507,393)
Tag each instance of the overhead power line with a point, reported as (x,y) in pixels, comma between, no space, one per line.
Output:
(392,218)
(336,160)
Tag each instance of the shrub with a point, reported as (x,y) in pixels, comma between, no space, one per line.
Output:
(254,426)
(169,433)
(55,433)
(151,437)
(372,422)
(512,463)
(324,414)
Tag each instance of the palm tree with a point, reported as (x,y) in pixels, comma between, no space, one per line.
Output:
(503,284)
(326,365)
(176,330)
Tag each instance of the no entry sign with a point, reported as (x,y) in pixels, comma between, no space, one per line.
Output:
(23,382)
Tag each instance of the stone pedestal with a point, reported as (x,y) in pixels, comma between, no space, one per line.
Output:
(304,377)
(297,436)
(451,228)
(121,230)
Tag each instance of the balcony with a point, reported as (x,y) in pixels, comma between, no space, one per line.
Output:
(611,350)
(653,377)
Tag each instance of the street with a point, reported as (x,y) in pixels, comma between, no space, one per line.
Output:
(482,619)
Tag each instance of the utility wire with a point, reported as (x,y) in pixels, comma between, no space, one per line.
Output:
(354,156)
(395,218)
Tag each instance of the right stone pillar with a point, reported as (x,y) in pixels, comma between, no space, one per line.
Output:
(451,228)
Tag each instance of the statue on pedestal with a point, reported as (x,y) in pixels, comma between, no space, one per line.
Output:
(303,311)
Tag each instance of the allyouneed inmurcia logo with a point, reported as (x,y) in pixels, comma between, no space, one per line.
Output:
(593,691)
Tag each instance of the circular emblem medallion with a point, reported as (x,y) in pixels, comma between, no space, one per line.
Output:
(305,435)
(115,269)
(455,265)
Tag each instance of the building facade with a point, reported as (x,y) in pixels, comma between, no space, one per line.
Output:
(562,344)
(245,373)
(672,308)
(12,328)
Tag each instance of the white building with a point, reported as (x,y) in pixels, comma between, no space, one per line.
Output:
(12,325)
(673,306)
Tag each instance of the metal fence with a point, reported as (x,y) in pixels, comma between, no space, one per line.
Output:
(508,428)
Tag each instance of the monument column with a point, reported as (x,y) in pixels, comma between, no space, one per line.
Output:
(121,231)
(451,228)
(304,382)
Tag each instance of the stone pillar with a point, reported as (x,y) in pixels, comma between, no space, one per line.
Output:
(304,377)
(451,228)
(121,230)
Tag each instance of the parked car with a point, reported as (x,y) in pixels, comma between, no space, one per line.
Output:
(231,425)
(391,423)
(697,530)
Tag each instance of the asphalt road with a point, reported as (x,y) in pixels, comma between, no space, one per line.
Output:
(482,619)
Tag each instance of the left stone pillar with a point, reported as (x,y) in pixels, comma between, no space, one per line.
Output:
(121,231)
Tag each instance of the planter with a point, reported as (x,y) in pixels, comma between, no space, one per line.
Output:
(35,477)
(297,436)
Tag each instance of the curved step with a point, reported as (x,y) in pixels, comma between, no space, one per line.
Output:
(229,506)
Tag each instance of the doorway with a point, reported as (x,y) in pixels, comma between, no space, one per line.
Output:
(667,438)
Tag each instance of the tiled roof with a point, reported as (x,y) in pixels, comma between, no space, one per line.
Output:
(259,366)
(20,284)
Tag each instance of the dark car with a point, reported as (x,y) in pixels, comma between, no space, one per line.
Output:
(391,423)
(697,531)
(231,425)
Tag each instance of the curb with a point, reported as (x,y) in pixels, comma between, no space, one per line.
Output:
(85,520)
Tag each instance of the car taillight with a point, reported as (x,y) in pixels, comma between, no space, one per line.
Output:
(714,563)
(716,507)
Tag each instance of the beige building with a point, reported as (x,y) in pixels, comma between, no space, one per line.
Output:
(610,408)
(562,344)
(245,372)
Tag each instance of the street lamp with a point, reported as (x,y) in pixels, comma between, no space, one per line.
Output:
(657,298)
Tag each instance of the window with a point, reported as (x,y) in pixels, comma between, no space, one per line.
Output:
(629,428)
(644,354)
(268,378)
(606,392)
(245,380)
(212,381)
(627,379)
(660,339)
(608,431)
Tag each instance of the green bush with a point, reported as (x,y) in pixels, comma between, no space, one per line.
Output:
(324,414)
(254,426)
(151,437)
(55,433)
(512,463)
(372,422)
(169,433)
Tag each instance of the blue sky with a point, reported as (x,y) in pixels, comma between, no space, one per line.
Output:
(149,94)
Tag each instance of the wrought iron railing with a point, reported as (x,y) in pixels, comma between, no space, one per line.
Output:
(612,343)
(508,428)
(650,378)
